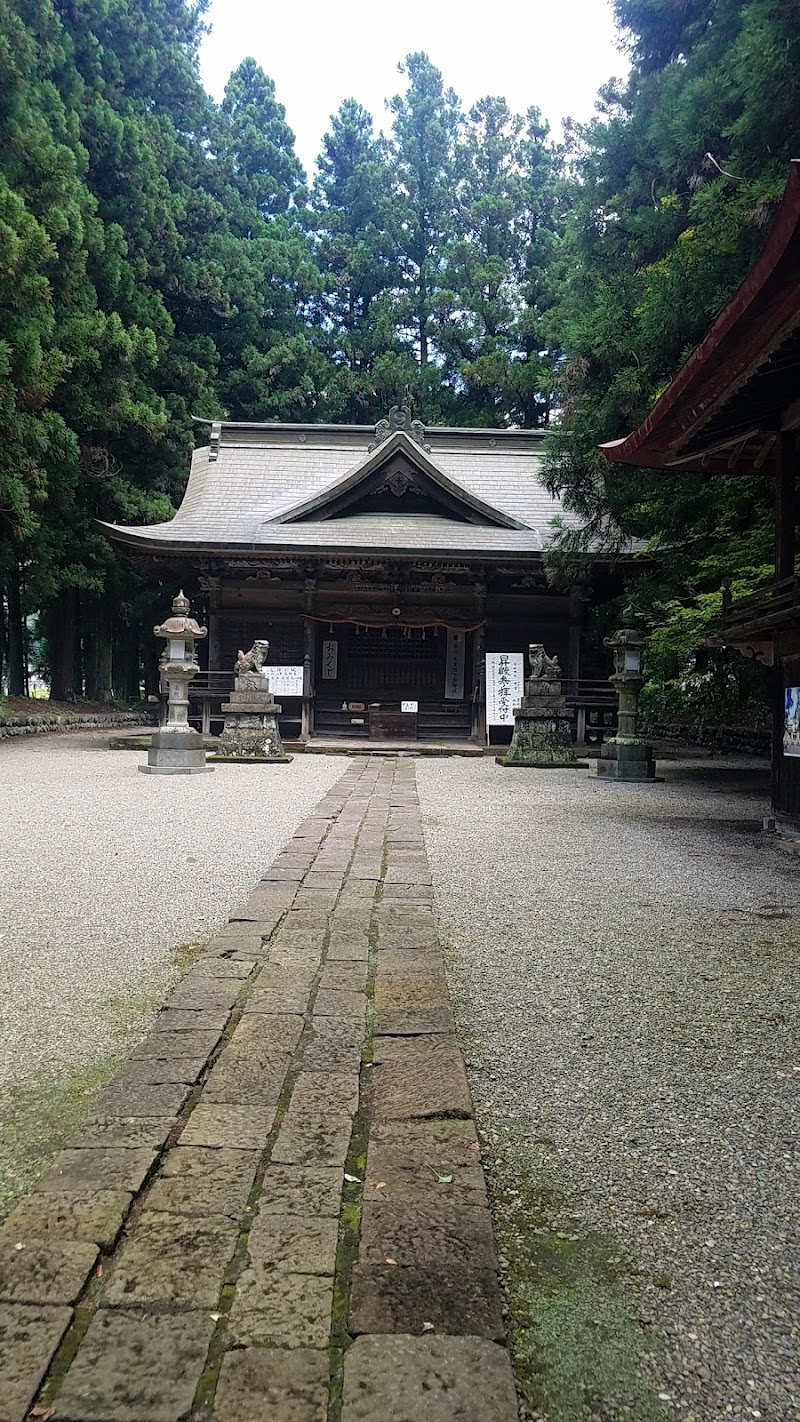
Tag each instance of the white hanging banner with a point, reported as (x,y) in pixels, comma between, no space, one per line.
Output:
(285,681)
(454,668)
(505,684)
(330,661)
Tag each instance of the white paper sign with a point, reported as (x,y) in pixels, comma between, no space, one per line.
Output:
(454,670)
(791,721)
(285,681)
(409,705)
(505,684)
(330,661)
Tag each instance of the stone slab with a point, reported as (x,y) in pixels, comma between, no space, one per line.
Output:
(213,966)
(453,1295)
(127,1131)
(344,977)
(218,1125)
(29,1338)
(310,898)
(438,1379)
(95,1219)
(387,1049)
(410,1159)
(126,1098)
(294,1243)
(315,1191)
(423,1084)
(190,1020)
(401,1022)
(313,1140)
(349,944)
(134,1368)
(283,991)
(160,1071)
(236,1080)
(409,963)
(325,1093)
(412,993)
(197,1180)
(283,1385)
(46,1271)
(172,1259)
(165,1044)
(281,1310)
(415,1233)
(341,1004)
(86,1171)
(409,937)
(205,994)
(266,1039)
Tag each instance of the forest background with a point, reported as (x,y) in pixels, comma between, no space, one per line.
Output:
(164,257)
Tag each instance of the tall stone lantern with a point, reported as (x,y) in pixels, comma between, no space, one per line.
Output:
(176,748)
(626,756)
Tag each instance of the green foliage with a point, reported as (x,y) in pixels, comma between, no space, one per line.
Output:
(673,187)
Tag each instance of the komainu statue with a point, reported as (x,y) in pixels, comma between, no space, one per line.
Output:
(542,666)
(249,663)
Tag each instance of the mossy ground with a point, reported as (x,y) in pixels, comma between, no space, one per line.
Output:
(37,1116)
(574,1330)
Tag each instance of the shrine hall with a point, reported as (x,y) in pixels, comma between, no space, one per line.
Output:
(382,563)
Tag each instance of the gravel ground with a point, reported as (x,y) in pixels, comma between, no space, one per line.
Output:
(624,967)
(104,873)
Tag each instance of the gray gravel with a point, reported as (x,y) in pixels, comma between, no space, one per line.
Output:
(624,967)
(104,872)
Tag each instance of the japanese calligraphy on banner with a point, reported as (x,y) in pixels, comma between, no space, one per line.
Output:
(454,667)
(330,661)
(285,681)
(505,684)
(791,721)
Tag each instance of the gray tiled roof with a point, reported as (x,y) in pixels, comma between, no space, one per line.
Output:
(261,472)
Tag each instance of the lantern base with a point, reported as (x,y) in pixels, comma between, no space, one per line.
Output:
(176,753)
(626,760)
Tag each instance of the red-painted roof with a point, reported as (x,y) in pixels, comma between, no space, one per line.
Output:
(720,413)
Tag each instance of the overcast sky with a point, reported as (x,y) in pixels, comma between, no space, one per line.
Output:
(553,53)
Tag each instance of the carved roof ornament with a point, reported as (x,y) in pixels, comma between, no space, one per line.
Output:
(180,624)
(399,418)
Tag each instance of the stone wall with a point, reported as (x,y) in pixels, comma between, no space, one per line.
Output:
(67,721)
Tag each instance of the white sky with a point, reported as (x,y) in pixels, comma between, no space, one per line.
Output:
(553,53)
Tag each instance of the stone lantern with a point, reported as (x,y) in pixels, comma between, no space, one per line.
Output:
(626,756)
(176,748)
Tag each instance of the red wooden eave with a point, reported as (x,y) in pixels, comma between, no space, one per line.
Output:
(760,317)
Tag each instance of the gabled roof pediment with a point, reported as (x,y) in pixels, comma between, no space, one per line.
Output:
(397,475)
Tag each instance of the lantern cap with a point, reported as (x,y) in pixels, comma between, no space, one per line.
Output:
(180,624)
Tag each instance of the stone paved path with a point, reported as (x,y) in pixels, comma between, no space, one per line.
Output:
(278,1210)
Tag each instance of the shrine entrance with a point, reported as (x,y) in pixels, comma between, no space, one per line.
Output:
(393,682)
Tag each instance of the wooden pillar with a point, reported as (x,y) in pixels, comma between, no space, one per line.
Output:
(309,658)
(478,666)
(212,589)
(785,505)
(577,602)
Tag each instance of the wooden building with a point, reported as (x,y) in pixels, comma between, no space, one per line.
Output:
(384,561)
(734,409)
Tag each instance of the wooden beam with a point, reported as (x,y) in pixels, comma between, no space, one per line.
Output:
(785,505)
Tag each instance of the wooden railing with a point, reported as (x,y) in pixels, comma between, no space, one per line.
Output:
(774,606)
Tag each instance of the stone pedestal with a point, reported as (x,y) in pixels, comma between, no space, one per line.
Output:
(542,724)
(626,756)
(174,752)
(251,715)
(626,760)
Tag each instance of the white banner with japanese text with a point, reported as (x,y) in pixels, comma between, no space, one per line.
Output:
(505,685)
(285,681)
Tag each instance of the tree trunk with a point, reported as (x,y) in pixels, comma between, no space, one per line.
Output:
(65,626)
(16,639)
(104,690)
(89,620)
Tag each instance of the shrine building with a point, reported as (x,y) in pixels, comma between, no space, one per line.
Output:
(382,564)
